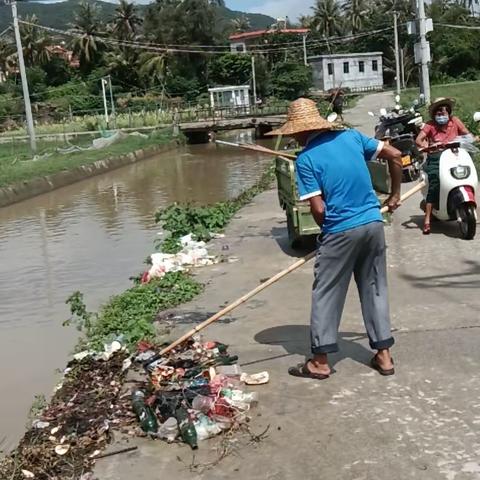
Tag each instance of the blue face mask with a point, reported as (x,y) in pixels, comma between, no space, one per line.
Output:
(442,119)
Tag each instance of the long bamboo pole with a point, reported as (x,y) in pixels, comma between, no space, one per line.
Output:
(263,286)
(258,148)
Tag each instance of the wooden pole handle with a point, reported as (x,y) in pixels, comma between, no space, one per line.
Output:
(263,286)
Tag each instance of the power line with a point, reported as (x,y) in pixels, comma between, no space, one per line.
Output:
(465,27)
(193,48)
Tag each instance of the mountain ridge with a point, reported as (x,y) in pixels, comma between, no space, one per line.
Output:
(60,14)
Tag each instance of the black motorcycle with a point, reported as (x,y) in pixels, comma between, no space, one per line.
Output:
(400,129)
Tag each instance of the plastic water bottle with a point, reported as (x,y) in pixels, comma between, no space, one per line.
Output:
(202,403)
(169,430)
(146,417)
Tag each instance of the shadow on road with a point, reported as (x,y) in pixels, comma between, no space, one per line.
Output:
(457,280)
(281,237)
(449,229)
(295,339)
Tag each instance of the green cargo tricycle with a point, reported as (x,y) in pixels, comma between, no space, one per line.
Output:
(300,223)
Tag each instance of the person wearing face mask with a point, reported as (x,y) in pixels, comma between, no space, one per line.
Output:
(443,128)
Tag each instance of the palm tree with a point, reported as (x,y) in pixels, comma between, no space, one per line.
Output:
(305,21)
(356,13)
(35,42)
(6,50)
(241,24)
(88,30)
(126,20)
(153,67)
(327,18)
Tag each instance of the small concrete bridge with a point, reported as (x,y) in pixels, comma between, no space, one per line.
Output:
(207,121)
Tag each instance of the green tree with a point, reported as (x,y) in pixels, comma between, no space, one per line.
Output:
(291,80)
(57,70)
(126,20)
(241,24)
(327,18)
(153,68)
(87,28)
(183,22)
(35,42)
(6,50)
(230,69)
(356,12)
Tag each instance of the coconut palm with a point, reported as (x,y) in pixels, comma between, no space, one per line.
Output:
(356,12)
(87,28)
(153,67)
(126,20)
(305,21)
(6,50)
(241,24)
(327,18)
(35,42)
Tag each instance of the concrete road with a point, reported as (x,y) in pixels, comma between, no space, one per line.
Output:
(422,423)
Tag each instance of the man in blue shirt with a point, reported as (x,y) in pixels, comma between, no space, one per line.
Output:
(332,175)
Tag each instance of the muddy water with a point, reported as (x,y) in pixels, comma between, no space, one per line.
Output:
(91,237)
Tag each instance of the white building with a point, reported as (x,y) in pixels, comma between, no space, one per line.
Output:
(228,97)
(356,71)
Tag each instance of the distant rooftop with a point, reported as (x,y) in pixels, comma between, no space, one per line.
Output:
(344,55)
(261,33)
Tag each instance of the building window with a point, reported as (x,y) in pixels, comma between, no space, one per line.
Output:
(240,48)
(375,65)
(361,66)
(330,68)
(346,67)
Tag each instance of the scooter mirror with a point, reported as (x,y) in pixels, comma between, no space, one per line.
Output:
(476,116)
(383,112)
(371,114)
(332,117)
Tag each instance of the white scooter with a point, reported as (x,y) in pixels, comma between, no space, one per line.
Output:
(458,185)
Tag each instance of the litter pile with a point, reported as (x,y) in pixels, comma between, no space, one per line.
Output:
(73,430)
(192,254)
(194,393)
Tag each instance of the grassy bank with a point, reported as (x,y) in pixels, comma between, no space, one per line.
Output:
(16,164)
(466,94)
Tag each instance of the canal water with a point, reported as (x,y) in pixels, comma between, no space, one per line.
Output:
(91,236)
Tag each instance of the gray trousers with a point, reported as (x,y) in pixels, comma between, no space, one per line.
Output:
(361,252)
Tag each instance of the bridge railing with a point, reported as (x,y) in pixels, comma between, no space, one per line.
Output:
(209,114)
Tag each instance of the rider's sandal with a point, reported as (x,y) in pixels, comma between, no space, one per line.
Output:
(426,229)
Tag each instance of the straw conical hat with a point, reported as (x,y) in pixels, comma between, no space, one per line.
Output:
(303,116)
(440,101)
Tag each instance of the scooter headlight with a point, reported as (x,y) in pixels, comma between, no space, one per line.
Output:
(460,172)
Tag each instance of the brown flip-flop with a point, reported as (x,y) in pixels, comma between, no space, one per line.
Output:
(302,371)
(376,366)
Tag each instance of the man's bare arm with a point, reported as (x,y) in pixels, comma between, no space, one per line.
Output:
(394,159)
(317,207)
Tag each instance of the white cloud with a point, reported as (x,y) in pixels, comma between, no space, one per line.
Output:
(281,8)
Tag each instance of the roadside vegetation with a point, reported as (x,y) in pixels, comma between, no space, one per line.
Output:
(131,314)
(16,164)
(467,96)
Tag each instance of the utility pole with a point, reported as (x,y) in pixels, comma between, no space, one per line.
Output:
(397,53)
(112,102)
(23,76)
(254,79)
(402,68)
(305,50)
(105,100)
(424,51)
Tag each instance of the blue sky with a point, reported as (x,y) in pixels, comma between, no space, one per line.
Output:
(274,8)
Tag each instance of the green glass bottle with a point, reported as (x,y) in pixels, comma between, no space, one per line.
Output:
(146,416)
(187,428)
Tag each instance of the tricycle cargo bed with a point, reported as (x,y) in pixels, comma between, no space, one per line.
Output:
(300,222)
